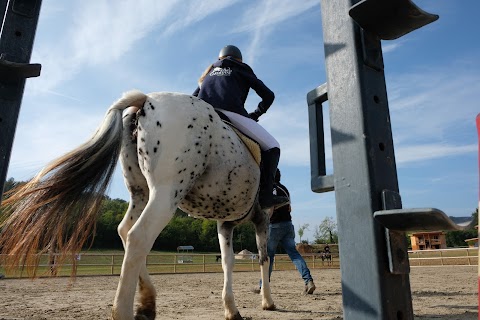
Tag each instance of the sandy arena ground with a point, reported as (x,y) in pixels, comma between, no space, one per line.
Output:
(438,293)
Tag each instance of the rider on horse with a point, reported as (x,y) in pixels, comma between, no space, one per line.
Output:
(225,85)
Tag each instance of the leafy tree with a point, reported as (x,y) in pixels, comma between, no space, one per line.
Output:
(181,230)
(209,236)
(10,184)
(111,213)
(301,230)
(457,238)
(326,231)
(244,237)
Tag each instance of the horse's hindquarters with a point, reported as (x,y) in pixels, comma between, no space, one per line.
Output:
(183,142)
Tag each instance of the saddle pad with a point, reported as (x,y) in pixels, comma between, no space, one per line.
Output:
(251,145)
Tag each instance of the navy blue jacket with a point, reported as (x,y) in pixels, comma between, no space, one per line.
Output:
(227,84)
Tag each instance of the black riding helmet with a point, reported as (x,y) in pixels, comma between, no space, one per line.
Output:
(231,51)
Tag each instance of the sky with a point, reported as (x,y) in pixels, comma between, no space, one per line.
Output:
(93,51)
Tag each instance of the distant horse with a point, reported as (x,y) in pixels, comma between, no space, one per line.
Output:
(326,256)
(175,152)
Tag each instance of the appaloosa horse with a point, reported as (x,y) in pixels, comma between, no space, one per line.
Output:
(175,152)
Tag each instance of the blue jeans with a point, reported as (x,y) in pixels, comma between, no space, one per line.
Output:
(284,233)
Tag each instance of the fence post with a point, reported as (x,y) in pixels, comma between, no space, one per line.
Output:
(441,257)
(203,256)
(113,264)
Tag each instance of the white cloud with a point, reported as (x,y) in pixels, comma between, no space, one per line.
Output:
(261,18)
(390,47)
(433,111)
(429,110)
(272,12)
(56,130)
(425,152)
(102,32)
(195,11)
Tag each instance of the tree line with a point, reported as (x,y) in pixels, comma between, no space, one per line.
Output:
(182,229)
(202,234)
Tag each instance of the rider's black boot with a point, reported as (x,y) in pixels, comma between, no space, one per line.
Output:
(269,167)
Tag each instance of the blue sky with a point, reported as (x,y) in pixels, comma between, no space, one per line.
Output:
(93,51)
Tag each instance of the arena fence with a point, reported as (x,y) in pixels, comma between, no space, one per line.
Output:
(90,264)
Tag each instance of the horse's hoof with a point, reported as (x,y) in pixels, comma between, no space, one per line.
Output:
(270,308)
(145,314)
(237,316)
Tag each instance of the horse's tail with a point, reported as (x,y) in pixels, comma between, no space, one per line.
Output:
(57,210)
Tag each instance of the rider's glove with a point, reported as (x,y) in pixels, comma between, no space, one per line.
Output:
(255,115)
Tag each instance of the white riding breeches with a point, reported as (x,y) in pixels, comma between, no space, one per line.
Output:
(253,130)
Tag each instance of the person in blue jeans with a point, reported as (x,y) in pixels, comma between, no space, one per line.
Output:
(282,232)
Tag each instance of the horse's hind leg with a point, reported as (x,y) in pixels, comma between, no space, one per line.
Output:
(147,293)
(156,215)
(138,188)
(225,236)
(261,223)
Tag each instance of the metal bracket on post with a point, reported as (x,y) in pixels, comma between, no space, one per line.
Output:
(320,181)
(13,71)
(397,221)
(390,19)
(397,248)
(420,219)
